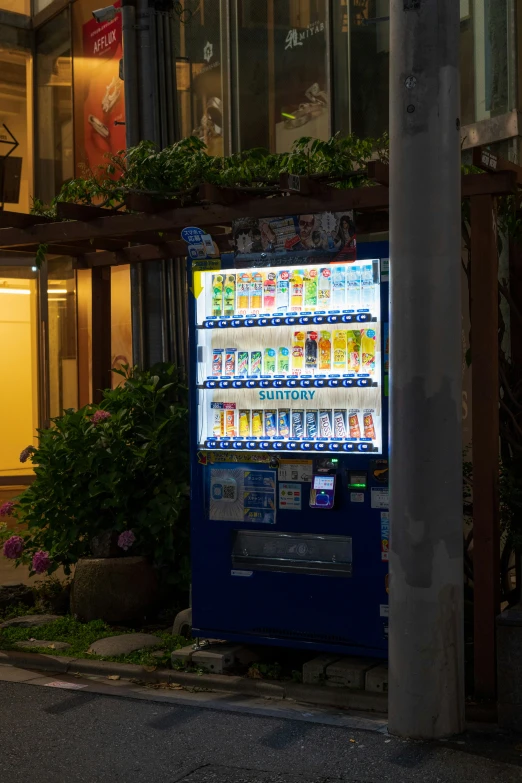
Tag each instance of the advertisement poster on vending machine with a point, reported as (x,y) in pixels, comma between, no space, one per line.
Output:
(324,237)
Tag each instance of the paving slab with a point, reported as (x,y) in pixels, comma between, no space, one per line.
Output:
(30,621)
(183,655)
(314,671)
(377,679)
(12,674)
(124,644)
(349,672)
(216,659)
(31,643)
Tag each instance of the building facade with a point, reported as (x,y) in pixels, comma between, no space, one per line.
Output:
(248,73)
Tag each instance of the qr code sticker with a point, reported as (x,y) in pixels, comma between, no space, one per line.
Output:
(229,491)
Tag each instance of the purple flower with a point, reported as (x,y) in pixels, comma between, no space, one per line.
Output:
(14,547)
(100,416)
(26,453)
(6,509)
(126,539)
(41,562)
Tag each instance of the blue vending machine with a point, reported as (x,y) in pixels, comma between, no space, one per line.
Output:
(289,422)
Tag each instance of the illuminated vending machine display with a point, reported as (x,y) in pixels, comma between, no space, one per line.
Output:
(288,415)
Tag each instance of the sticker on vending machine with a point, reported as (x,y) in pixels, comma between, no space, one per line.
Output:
(385,536)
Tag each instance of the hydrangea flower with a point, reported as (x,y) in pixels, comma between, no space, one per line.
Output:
(126,539)
(26,453)
(13,547)
(6,509)
(41,562)
(100,416)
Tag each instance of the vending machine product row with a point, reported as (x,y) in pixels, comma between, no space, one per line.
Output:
(289,373)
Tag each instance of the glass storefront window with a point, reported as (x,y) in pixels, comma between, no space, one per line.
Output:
(200,74)
(19,387)
(16,6)
(281,73)
(54,131)
(63,364)
(16,121)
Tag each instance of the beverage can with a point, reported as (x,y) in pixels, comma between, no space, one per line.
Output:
(269,291)
(229,297)
(230,361)
(257,424)
(311,351)
(255,362)
(242,363)
(230,423)
(218,423)
(217,361)
(298,423)
(369,429)
(283,359)
(270,424)
(340,424)
(310,289)
(269,361)
(244,423)
(325,424)
(353,424)
(311,424)
(283,423)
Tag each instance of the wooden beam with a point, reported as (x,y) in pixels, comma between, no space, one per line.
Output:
(486,160)
(101,332)
(485,439)
(379,172)
(21,219)
(70,211)
(133,255)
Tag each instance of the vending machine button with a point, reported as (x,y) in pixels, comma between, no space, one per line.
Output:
(210,324)
(236,322)
(275,321)
(320,446)
(333,383)
(318,319)
(278,445)
(251,384)
(304,320)
(306,446)
(334,446)
(264,384)
(318,383)
(210,384)
(224,384)
(278,383)
(291,383)
(348,382)
(348,319)
(238,445)
(225,444)
(304,383)
(349,446)
(363,382)
(364,317)
(237,384)
(291,446)
(263,321)
(332,319)
(289,321)
(223,324)
(265,445)
(251,444)
(250,322)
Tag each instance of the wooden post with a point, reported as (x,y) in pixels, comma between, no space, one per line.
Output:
(101,331)
(485,440)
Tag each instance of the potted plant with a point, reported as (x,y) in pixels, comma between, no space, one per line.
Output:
(110,497)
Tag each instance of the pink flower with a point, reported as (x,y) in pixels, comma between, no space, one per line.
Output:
(14,547)
(126,539)
(41,562)
(26,453)
(6,509)
(100,416)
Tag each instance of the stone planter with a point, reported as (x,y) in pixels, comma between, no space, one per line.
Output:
(114,589)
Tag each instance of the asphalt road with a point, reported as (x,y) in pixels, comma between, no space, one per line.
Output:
(73,737)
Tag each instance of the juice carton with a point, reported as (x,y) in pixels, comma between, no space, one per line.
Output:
(354,351)
(230,423)
(269,361)
(325,351)
(340,349)
(217,294)
(244,423)
(368,350)
(298,346)
(283,359)
(257,424)
(229,297)
(310,289)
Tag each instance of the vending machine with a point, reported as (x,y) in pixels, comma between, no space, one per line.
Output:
(289,438)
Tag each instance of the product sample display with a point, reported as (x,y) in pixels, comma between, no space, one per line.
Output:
(301,345)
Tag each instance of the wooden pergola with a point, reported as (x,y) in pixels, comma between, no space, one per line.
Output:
(99,238)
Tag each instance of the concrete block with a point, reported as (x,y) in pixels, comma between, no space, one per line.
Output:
(216,658)
(183,655)
(314,671)
(377,679)
(348,673)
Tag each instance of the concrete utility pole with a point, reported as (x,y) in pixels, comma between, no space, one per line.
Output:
(426,698)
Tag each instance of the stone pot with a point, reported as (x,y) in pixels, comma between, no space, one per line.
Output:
(114,589)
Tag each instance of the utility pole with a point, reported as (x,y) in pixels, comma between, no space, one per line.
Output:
(426,691)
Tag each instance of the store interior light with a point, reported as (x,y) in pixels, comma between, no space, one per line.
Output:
(289,116)
(56,290)
(57,299)
(15,291)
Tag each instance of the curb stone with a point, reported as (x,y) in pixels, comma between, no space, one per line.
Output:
(310,694)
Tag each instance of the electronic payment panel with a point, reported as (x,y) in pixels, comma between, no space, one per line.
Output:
(289,418)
